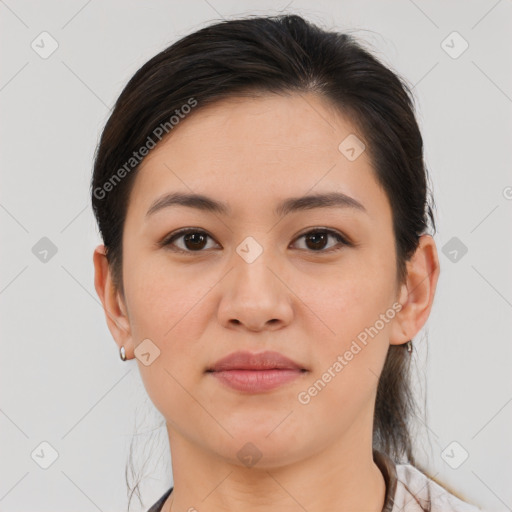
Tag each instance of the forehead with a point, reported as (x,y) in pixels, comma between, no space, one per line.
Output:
(252,152)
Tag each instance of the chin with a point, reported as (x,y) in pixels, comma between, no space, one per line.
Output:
(252,447)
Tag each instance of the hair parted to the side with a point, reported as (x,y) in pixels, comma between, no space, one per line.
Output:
(281,54)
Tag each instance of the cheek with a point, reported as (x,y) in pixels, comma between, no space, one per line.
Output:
(357,308)
(354,298)
(163,300)
(167,308)
(350,359)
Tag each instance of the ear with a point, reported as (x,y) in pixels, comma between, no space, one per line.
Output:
(417,293)
(113,303)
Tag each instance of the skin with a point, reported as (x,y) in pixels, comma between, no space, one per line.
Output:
(307,304)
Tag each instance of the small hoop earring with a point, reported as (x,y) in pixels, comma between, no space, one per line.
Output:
(409,346)
(122,353)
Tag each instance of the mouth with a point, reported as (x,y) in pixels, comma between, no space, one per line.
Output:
(256,381)
(254,373)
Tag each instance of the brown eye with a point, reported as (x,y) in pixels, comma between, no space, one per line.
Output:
(193,240)
(317,239)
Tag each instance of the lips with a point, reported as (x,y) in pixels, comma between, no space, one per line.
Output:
(256,373)
(243,360)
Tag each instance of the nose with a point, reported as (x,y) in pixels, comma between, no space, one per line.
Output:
(255,296)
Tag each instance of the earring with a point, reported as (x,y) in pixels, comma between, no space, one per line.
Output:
(409,346)
(122,353)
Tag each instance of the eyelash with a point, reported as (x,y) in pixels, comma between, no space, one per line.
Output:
(167,242)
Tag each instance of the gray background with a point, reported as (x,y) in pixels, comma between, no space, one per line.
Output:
(61,378)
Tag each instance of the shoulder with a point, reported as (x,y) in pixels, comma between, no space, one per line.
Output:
(415,490)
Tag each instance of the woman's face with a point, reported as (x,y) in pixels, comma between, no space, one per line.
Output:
(256,281)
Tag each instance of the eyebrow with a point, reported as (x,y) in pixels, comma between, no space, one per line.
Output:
(292,204)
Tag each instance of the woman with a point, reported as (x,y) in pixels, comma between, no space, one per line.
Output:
(262,198)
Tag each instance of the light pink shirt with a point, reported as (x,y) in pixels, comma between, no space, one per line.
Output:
(410,490)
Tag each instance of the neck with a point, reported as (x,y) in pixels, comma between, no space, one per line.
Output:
(341,477)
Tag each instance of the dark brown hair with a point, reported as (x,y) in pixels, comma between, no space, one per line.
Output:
(279,54)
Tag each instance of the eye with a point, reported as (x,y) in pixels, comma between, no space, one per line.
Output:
(194,240)
(318,238)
